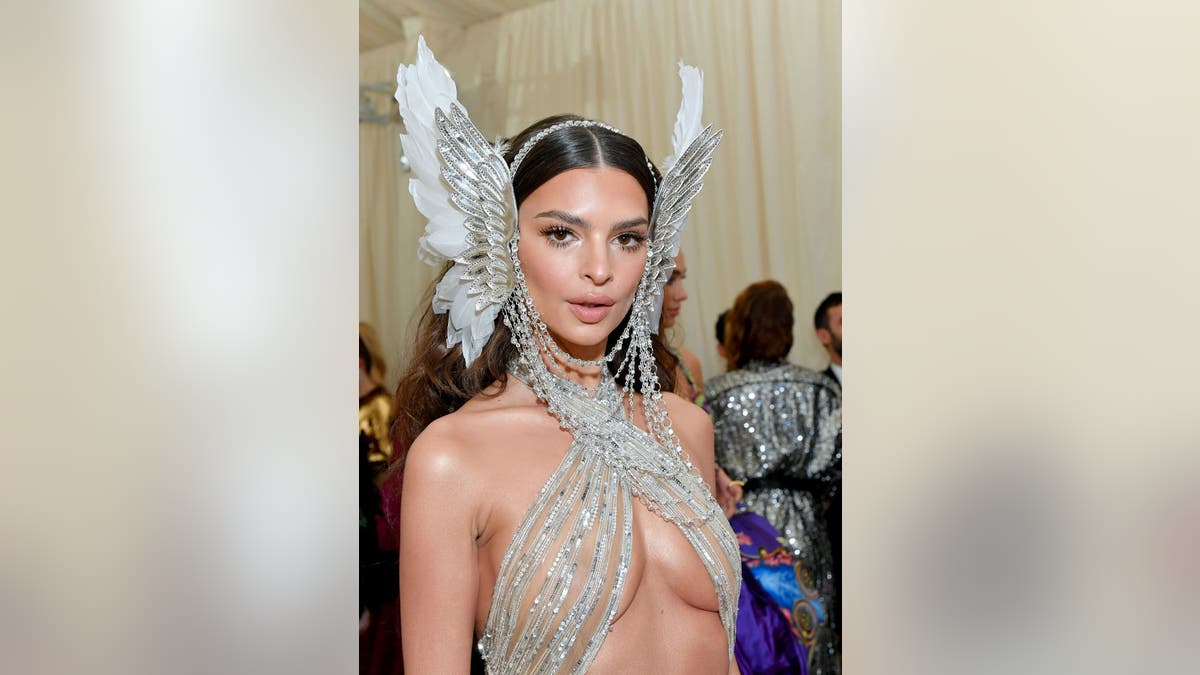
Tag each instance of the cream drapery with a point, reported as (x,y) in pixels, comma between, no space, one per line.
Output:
(771,207)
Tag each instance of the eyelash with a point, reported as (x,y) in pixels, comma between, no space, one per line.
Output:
(554,231)
(635,240)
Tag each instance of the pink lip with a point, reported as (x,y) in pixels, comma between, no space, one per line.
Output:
(591,308)
(590,314)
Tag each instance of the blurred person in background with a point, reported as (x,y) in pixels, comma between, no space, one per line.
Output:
(778,428)
(827,322)
(689,379)
(766,641)
(720,334)
(376,407)
(378,583)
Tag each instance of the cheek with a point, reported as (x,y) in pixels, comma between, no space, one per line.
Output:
(539,273)
(632,270)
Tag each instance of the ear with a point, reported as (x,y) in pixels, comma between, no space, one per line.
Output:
(824,336)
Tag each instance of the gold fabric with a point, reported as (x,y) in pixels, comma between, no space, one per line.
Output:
(375,412)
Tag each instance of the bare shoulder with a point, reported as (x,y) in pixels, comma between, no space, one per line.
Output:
(441,452)
(685,414)
(465,442)
(690,422)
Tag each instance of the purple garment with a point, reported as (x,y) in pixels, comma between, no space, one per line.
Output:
(765,642)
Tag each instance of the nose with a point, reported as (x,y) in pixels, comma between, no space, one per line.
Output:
(596,266)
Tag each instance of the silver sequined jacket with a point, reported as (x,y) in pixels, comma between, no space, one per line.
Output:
(778,426)
(777,421)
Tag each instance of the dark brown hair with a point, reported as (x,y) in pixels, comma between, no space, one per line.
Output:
(821,316)
(720,327)
(370,353)
(437,381)
(759,326)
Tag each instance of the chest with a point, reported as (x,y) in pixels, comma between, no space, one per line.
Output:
(663,564)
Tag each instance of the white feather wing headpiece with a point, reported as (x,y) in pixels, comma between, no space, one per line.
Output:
(691,154)
(461,184)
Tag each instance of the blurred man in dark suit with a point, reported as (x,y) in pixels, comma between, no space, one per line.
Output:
(828,323)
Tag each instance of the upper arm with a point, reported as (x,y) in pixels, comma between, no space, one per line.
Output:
(695,433)
(438,559)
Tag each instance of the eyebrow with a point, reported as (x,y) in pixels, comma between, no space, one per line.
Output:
(572,219)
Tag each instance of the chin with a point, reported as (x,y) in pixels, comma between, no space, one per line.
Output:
(586,336)
(580,334)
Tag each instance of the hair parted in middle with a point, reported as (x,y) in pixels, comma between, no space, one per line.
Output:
(759,325)
(437,381)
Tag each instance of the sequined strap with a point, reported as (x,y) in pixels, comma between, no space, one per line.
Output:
(562,575)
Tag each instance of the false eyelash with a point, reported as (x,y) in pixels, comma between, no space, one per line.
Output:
(638,240)
(549,231)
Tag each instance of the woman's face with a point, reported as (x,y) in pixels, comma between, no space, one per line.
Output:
(583,249)
(673,292)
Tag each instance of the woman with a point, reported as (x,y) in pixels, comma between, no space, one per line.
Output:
(557,504)
(378,650)
(766,641)
(778,427)
(689,379)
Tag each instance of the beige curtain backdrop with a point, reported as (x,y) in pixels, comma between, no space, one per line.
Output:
(771,206)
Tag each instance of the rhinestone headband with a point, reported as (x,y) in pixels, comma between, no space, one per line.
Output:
(533,140)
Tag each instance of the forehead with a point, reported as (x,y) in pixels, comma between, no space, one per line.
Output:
(601,189)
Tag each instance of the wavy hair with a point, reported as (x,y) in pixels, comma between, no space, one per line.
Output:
(759,325)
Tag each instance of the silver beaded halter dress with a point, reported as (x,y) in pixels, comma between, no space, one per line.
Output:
(563,573)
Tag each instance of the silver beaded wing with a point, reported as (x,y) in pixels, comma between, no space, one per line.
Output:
(678,189)
(480,187)
(691,155)
(461,184)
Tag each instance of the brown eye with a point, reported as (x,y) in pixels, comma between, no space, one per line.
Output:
(630,240)
(558,236)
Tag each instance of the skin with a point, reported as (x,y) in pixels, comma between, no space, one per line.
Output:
(831,339)
(471,475)
(674,294)
(728,491)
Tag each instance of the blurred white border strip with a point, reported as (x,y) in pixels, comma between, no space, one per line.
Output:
(1020,227)
(180,279)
